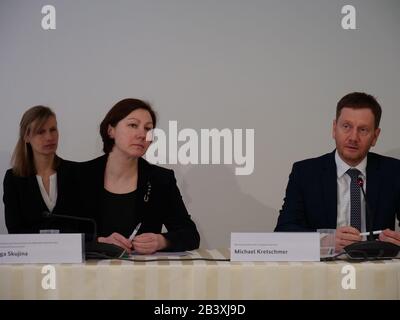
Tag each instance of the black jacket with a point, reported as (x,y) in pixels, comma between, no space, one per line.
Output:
(311,195)
(164,205)
(24,204)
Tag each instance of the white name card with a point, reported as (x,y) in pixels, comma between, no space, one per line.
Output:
(275,246)
(42,248)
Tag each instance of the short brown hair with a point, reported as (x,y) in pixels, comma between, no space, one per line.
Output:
(118,112)
(360,100)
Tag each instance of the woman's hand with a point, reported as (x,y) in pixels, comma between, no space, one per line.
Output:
(148,243)
(118,240)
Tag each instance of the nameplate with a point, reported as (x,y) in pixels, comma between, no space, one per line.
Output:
(275,246)
(41,248)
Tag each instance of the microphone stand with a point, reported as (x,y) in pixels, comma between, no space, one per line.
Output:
(93,249)
(371,249)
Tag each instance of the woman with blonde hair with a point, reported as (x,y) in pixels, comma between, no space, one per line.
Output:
(39,181)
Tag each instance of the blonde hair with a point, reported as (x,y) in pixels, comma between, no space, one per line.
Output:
(31,122)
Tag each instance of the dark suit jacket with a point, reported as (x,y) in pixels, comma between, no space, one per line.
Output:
(311,194)
(24,204)
(164,206)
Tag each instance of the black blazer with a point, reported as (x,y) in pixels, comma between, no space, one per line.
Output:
(164,206)
(24,204)
(311,194)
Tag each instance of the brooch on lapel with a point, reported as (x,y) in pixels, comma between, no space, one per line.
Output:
(147,195)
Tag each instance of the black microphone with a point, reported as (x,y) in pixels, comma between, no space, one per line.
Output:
(368,211)
(47,214)
(371,249)
(93,249)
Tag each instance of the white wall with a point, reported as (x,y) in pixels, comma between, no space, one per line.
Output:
(278,67)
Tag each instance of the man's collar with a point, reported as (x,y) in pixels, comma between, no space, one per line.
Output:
(342,167)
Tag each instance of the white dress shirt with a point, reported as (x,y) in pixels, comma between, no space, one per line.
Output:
(51,198)
(343,191)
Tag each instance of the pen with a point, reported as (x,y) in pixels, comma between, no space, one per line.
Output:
(135,231)
(373,232)
(131,237)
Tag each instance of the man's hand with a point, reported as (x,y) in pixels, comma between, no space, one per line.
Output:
(345,236)
(388,235)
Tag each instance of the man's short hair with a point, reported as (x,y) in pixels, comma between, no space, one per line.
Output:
(360,100)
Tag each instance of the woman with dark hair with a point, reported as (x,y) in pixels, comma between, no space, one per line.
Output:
(39,181)
(122,189)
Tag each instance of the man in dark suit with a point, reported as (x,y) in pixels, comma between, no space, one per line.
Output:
(325,192)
